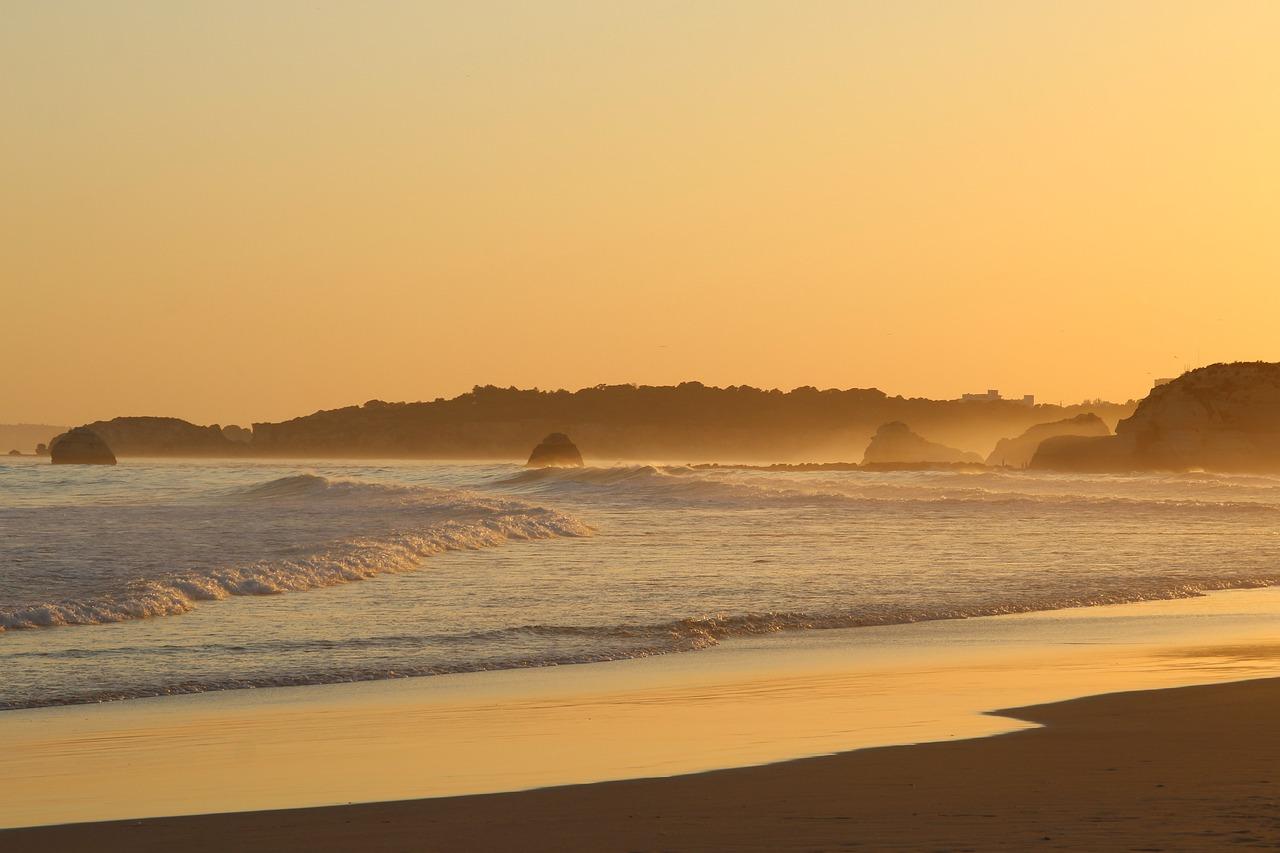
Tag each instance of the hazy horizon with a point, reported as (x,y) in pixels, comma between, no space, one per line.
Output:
(233,212)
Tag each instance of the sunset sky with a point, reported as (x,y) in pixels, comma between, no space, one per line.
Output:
(241,211)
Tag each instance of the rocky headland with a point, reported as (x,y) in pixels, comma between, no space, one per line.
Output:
(1224,417)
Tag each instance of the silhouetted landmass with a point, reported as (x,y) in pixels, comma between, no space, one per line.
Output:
(1224,417)
(81,446)
(1017,452)
(688,421)
(895,444)
(616,422)
(555,451)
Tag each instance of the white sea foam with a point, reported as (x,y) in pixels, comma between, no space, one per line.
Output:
(423,522)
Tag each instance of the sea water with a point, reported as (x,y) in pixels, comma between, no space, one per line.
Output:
(161,577)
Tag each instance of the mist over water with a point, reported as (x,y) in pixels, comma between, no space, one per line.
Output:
(165,577)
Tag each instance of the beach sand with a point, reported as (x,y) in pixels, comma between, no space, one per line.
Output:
(1180,769)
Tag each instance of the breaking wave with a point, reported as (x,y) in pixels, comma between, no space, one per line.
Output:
(407,525)
(749,488)
(565,644)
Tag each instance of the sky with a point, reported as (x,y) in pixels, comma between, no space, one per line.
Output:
(242,211)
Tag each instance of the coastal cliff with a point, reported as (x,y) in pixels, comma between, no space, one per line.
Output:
(1224,417)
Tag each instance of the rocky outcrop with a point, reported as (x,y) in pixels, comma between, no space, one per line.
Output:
(895,443)
(556,450)
(80,446)
(237,433)
(165,437)
(15,452)
(1017,452)
(1224,417)
(1084,454)
(42,449)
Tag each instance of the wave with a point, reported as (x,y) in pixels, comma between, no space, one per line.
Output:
(734,488)
(437,520)
(586,643)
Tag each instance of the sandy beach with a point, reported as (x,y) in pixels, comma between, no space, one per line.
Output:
(479,761)
(1179,769)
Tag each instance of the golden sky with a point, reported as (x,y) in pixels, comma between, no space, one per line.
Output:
(240,210)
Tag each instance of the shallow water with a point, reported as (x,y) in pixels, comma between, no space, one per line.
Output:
(159,577)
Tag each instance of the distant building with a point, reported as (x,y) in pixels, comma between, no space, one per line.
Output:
(994,394)
(1160,382)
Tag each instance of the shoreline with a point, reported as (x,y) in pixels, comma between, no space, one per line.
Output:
(756,702)
(1178,768)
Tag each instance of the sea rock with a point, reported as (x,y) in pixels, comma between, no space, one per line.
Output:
(42,449)
(238,433)
(80,446)
(1017,452)
(1224,417)
(15,452)
(894,442)
(556,450)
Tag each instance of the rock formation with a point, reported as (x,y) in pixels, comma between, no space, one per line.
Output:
(80,446)
(1017,452)
(1224,417)
(894,442)
(42,449)
(556,450)
(15,452)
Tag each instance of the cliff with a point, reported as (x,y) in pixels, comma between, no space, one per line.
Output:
(1224,417)
(895,443)
(1018,452)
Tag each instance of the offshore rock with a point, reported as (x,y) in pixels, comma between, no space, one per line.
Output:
(556,450)
(80,446)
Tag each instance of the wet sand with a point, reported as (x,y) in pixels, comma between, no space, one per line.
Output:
(1189,768)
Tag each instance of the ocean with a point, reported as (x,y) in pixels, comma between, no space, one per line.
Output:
(166,577)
